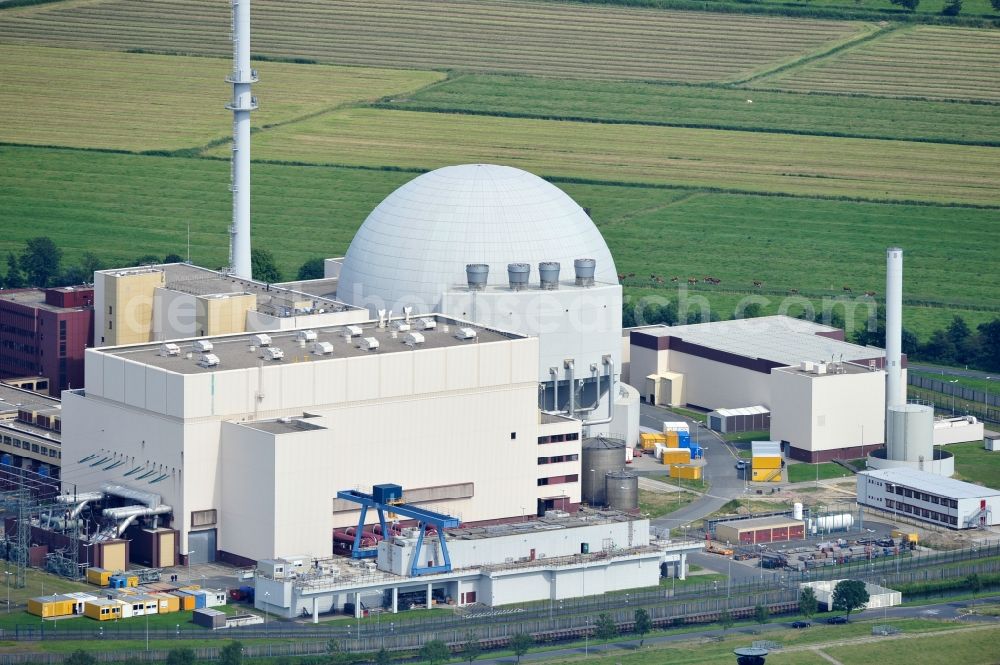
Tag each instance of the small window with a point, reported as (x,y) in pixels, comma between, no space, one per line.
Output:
(513,435)
(203,517)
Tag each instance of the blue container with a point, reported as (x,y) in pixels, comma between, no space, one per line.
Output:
(118,582)
(7,459)
(200,599)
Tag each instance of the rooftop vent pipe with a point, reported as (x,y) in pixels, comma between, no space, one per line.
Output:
(585,269)
(548,273)
(518,274)
(476,275)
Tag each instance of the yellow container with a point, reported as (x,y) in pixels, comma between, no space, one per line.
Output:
(132,580)
(768,462)
(673,440)
(648,440)
(766,475)
(99,576)
(167,602)
(185,601)
(677,456)
(50,606)
(686,471)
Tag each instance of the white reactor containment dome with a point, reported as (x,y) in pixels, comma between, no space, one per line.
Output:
(415,245)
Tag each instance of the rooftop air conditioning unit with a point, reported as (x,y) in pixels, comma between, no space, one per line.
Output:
(426,324)
(170,350)
(305,336)
(465,333)
(261,340)
(806,365)
(203,346)
(400,326)
(413,338)
(322,348)
(821,368)
(368,344)
(272,353)
(208,360)
(353,331)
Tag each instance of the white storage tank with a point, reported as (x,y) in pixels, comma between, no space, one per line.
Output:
(839,522)
(910,429)
(797,510)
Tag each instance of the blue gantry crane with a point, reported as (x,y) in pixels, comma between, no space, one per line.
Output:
(389,497)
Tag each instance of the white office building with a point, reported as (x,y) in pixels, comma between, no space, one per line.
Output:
(929,497)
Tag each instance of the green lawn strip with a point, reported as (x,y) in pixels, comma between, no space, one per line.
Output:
(700,158)
(976,383)
(972,648)
(976,464)
(747,437)
(684,483)
(801,472)
(706,106)
(654,504)
(84,200)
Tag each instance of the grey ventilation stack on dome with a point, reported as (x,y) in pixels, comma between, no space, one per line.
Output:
(476,275)
(585,269)
(518,275)
(548,275)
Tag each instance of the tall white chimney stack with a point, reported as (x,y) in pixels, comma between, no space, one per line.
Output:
(242,103)
(894,326)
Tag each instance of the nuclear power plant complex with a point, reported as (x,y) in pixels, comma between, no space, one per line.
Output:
(453,414)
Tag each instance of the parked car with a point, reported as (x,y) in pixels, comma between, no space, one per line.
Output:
(741,464)
(836,620)
(800,624)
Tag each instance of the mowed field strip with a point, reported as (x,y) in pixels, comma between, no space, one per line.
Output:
(678,104)
(554,39)
(741,161)
(922,61)
(94,99)
(101,202)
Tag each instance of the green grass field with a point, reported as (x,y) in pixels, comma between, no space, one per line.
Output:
(579,41)
(742,161)
(711,107)
(76,196)
(130,101)
(657,505)
(976,464)
(992,385)
(922,61)
(801,473)
(927,8)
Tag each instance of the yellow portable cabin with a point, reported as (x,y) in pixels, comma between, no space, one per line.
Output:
(103,609)
(167,602)
(99,576)
(51,606)
(677,456)
(185,599)
(673,439)
(686,471)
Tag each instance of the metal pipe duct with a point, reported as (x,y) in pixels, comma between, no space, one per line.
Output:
(548,274)
(518,275)
(554,371)
(569,365)
(585,270)
(609,363)
(130,513)
(149,498)
(81,500)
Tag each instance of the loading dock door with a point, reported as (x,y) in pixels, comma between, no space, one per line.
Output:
(201,546)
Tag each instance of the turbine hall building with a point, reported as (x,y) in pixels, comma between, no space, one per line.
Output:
(246,439)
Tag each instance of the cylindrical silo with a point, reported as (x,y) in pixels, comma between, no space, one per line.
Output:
(622,490)
(911,433)
(600,455)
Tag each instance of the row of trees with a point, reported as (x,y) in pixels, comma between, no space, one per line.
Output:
(950,8)
(40,264)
